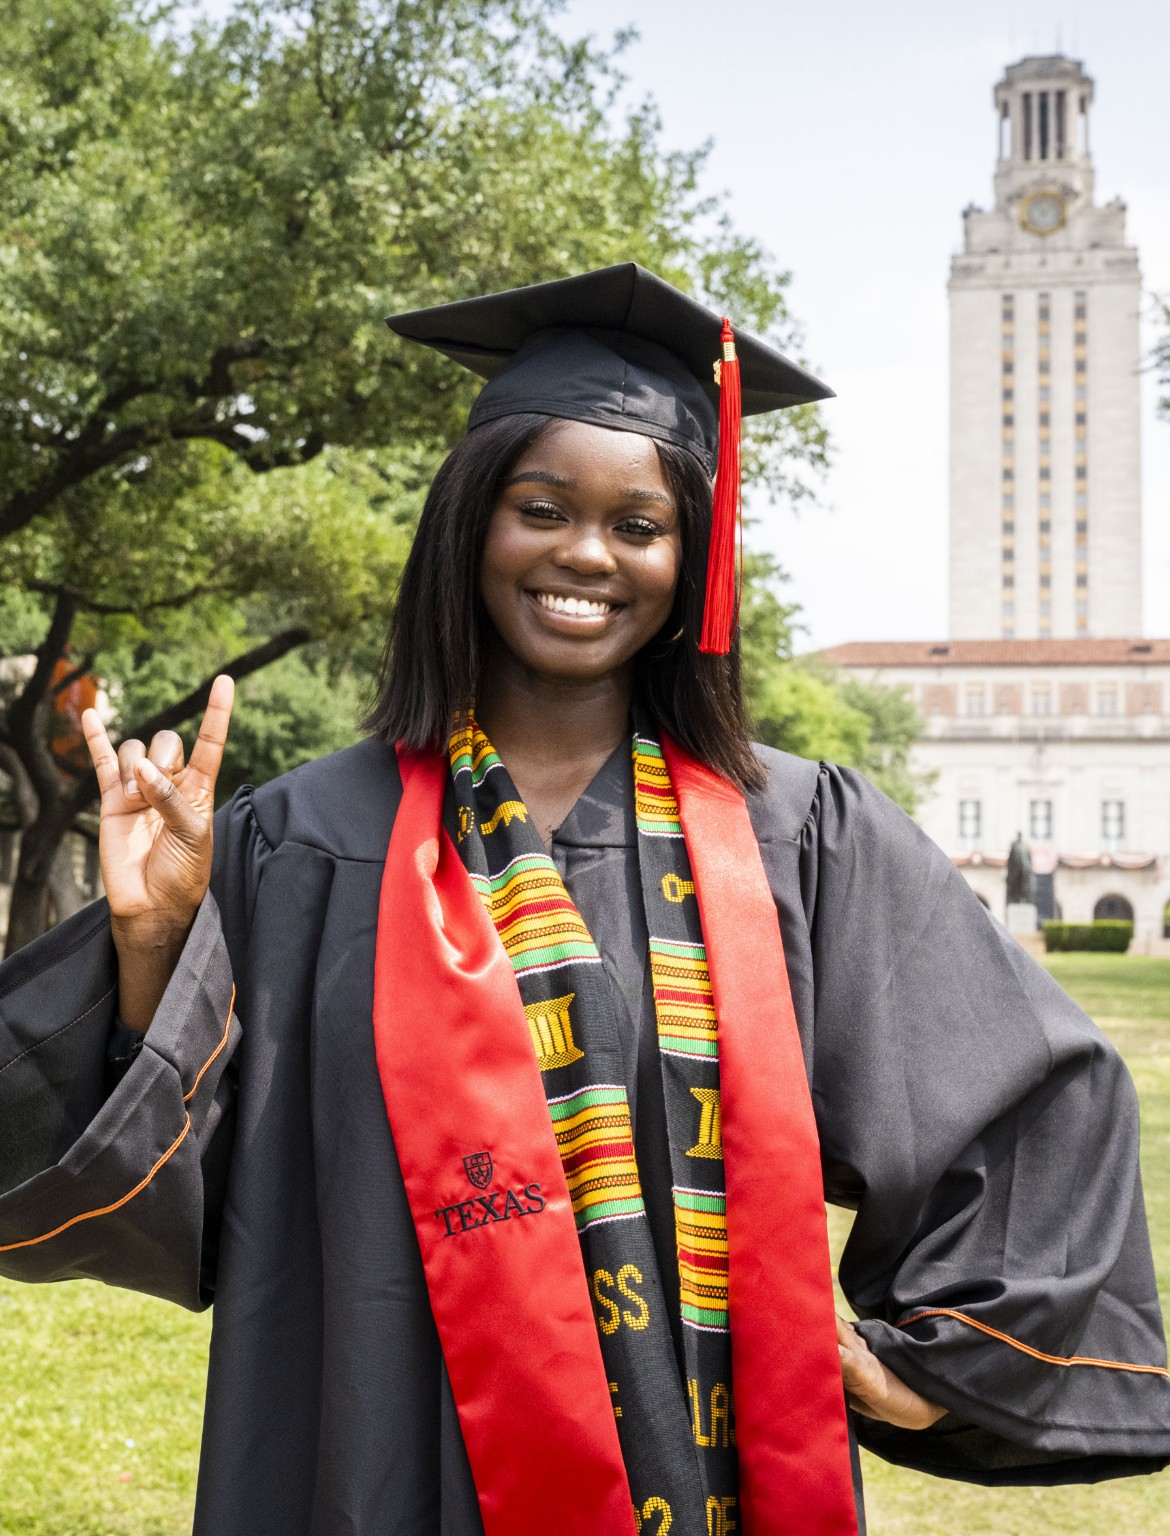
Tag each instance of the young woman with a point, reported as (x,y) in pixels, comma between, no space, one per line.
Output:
(494,1089)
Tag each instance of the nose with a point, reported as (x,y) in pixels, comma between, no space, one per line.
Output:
(586,552)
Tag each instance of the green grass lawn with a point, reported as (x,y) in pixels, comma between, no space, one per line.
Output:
(101,1391)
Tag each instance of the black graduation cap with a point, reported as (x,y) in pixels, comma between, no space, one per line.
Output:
(621,348)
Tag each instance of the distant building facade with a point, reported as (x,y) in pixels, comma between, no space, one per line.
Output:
(1066,741)
(1045,713)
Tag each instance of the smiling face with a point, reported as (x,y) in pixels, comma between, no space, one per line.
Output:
(582,554)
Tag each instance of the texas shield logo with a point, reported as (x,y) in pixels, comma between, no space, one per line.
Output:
(478,1168)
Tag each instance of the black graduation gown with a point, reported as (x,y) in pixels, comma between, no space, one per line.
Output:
(982,1128)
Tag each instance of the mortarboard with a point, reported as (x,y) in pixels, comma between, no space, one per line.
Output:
(621,348)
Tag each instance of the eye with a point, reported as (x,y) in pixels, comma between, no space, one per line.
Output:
(641,527)
(542,509)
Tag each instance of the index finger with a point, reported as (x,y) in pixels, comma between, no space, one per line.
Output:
(101,750)
(207,753)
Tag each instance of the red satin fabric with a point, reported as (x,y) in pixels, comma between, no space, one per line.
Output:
(510,1298)
(791,1429)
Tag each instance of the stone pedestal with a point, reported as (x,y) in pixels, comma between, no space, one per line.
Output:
(1021,917)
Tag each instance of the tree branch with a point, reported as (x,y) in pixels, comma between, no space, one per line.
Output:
(90,605)
(74,676)
(182,709)
(22,710)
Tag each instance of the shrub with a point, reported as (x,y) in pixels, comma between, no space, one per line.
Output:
(1107,935)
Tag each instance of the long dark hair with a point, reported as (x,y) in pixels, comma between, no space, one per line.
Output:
(435,648)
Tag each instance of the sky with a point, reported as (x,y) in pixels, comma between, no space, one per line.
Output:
(848,135)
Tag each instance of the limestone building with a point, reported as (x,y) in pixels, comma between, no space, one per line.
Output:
(1046,711)
(1045,297)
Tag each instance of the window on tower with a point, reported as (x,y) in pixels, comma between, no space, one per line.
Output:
(1027,103)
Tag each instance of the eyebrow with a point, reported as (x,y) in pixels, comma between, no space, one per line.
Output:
(546,477)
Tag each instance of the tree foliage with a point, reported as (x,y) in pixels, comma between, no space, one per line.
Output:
(211,451)
(801,706)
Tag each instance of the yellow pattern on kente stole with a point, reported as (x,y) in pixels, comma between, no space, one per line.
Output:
(552,1032)
(507,811)
(655,807)
(710,1142)
(596,1143)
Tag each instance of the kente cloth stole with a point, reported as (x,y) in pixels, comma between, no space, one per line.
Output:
(502,1074)
(679,1451)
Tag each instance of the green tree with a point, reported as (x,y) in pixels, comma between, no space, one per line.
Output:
(210,450)
(802,707)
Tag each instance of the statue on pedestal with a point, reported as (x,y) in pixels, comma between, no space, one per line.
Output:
(1021,884)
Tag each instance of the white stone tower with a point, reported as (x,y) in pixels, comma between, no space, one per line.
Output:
(1045,476)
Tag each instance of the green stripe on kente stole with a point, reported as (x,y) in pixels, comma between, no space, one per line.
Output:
(703,1317)
(701,1200)
(585,1098)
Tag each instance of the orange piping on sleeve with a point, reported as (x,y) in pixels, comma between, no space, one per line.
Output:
(190,1094)
(105,1210)
(1004,1338)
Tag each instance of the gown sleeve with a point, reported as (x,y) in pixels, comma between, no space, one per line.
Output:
(986,1134)
(113,1153)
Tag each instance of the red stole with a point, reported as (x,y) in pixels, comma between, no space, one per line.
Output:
(499,1245)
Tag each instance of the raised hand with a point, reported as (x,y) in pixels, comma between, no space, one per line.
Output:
(872,1389)
(155,844)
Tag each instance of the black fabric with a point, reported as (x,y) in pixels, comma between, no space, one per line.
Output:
(957,1091)
(619,347)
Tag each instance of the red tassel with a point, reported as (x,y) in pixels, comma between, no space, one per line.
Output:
(720,608)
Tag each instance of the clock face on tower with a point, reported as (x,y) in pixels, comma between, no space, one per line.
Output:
(1042,212)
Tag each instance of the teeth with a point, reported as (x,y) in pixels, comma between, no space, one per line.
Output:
(579,606)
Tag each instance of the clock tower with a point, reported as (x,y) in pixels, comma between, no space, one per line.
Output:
(1045,297)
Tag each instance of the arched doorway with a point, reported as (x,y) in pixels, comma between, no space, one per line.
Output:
(1113,908)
